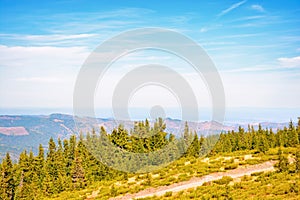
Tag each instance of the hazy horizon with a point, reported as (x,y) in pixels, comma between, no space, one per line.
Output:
(232,115)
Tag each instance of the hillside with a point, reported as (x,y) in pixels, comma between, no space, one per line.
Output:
(28,131)
(19,132)
(89,168)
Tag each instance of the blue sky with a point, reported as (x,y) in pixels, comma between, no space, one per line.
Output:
(255,45)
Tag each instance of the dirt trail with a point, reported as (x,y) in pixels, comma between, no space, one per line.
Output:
(195,182)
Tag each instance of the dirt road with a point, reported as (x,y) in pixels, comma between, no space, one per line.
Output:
(195,182)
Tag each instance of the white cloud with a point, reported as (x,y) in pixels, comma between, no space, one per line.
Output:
(258,8)
(43,79)
(105,22)
(232,7)
(210,28)
(42,57)
(282,63)
(50,39)
(293,62)
(39,76)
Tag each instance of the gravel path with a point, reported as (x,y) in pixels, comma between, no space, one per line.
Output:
(195,182)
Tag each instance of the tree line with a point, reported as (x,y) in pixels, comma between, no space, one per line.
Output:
(71,164)
(260,140)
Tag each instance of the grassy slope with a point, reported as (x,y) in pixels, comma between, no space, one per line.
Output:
(271,185)
(184,169)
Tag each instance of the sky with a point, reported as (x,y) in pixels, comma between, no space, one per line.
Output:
(255,46)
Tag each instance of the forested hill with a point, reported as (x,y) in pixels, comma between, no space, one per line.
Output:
(69,165)
(28,131)
(19,132)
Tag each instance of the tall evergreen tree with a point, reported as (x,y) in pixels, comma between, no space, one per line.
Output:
(119,137)
(51,183)
(7,185)
(28,187)
(292,135)
(263,144)
(78,176)
(283,162)
(61,168)
(194,148)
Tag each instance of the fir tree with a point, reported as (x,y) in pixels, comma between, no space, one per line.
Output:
(40,166)
(78,177)
(283,162)
(7,180)
(263,144)
(194,148)
(292,135)
(52,182)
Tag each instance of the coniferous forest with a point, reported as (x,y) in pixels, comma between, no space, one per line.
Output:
(70,165)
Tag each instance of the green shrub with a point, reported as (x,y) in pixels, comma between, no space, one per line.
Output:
(257,173)
(168,194)
(183,177)
(230,161)
(246,178)
(224,180)
(231,166)
(252,161)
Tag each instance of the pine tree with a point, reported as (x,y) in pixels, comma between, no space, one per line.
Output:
(35,186)
(186,139)
(7,185)
(186,133)
(241,144)
(284,137)
(69,151)
(119,137)
(227,146)
(147,126)
(28,187)
(292,135)
(52,184)
(173,150)
(272,139)
(159,125)
(78,177)
(94,138)
(279,138)
(283,162)
(22,191)
(48,185)
(263,144)
(60,162)
(194,148)
(40,166)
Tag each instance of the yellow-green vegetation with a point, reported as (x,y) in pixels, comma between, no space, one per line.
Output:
(70,171)
(188,167)
(270,185)
(284,183)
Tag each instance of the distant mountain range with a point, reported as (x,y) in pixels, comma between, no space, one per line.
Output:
(19,132)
